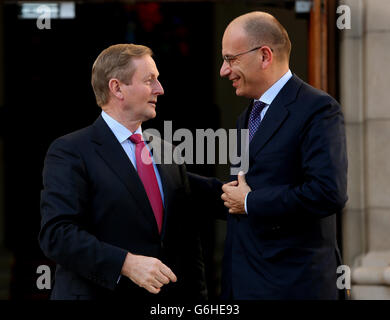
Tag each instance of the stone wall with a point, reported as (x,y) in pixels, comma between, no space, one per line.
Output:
(364,88)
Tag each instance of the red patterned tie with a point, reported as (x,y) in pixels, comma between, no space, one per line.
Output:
(148,177)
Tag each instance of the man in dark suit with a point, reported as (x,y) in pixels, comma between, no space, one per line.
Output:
(116,222)
(281,225)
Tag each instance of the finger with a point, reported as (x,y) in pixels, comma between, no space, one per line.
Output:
(162,279)
(232,183)
(233,210)
(224,197)
(155,283)
(168,273)
(227,204)
(241,178)
(226,188)
(152,289)
(229,185)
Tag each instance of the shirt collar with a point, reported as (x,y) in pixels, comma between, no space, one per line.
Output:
(119,130)
(272,92)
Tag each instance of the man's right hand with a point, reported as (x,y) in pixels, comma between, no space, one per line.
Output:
(147,272)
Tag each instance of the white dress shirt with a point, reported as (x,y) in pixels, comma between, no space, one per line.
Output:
(123,134)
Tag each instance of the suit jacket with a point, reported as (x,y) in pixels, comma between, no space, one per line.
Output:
(94,210)
(285,247)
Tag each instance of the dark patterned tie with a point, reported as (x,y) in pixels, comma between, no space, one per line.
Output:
(148,177)
(254,118)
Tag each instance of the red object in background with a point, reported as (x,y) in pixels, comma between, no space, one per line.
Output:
(149,15)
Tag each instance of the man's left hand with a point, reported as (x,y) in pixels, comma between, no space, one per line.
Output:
(235,193)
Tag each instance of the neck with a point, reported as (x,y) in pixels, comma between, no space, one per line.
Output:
(274,76)
(122,118)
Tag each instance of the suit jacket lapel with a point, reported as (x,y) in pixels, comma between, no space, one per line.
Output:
(168,193)
(110,150)
(275,115)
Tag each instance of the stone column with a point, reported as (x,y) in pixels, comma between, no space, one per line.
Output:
(365,70)
(352,101)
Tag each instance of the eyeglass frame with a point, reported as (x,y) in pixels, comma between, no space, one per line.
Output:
(229,59)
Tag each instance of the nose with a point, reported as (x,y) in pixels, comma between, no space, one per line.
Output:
(225,69)
(158,89)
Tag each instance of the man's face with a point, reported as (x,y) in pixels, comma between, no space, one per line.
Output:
(243,71)
(140,96)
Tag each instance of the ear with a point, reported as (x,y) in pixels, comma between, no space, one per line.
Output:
(115,88)
(267,57)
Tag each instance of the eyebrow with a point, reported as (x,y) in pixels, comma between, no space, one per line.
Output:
(153,75)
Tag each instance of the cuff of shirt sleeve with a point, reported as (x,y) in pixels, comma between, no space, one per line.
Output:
(246,208)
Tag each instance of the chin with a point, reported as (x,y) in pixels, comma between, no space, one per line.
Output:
(152,115)
(243,93)
(239,92)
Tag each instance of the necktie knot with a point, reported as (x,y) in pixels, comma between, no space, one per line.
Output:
(258,106)
(136,138)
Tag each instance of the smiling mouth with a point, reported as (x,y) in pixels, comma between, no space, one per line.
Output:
(234,81)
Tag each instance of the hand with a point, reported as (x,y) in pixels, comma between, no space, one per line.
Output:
(147,272)
(235,193)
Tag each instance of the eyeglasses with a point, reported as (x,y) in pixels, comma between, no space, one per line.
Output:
(230,59)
